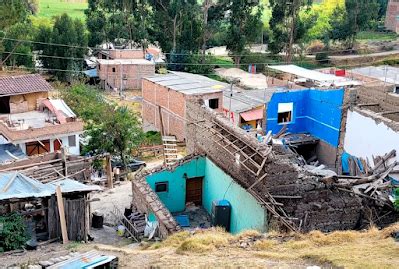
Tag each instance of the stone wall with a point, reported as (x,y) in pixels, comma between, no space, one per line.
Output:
(316,205)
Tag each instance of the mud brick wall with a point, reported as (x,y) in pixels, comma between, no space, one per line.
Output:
(384,96)
(147,201)
(319,206)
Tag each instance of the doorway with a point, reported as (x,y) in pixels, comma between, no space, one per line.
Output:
(36,148)
(5,105)
(194,190)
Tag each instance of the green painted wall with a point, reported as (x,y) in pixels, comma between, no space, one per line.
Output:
(175,198)
(246,213)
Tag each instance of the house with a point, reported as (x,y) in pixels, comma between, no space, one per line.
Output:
(122,74)
(36,201)
(392,16)
(33,121)
(246,108)
(165,98)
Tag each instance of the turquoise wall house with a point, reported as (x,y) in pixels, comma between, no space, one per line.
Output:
(175,197)
(246,213)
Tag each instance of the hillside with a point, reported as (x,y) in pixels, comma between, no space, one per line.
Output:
(51,8)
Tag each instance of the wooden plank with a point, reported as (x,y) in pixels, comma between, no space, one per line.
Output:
(161,120)
(257,181)
(10,181)
(61,211)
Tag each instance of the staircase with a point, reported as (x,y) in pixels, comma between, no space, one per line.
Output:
(170,149)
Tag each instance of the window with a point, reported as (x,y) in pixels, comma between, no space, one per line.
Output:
(161,186)
(113,69)
(214,103)
(71,141)
(284,113)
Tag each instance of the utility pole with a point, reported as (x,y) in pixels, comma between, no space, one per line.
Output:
(233,81)
(120,88)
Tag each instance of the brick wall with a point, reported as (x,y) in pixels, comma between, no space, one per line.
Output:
(173,105)
(130,74)
(391,22)
(126,54)
(317,205)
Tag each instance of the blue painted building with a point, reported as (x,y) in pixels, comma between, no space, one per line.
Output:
(172,188)
(318,112)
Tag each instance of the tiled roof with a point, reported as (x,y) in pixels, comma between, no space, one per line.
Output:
(23,84)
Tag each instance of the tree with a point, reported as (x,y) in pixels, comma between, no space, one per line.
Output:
(382,10)
(109,128)
(245,24)
(67,59)
(12,12)
(17,53)
(285,25)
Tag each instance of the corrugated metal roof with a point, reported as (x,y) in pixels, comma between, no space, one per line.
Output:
(18,186)
(255,114)
(10,152)
(23,84)
(59,104)
(69,185)
(190,84)
(246,100)
(125,61)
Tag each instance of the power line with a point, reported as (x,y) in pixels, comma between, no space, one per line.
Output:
(165,53)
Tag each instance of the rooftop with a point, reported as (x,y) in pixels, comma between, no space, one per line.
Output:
(125,62)
(14,85)
(245,100)
(190,84)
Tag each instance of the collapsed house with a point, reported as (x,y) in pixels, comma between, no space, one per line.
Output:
(37,203)
(280,190)
(32,121)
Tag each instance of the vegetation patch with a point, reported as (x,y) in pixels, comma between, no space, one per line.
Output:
(12,232)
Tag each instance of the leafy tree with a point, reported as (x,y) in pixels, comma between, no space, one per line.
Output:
(245,24)
(67,59)
(382,10)
(13,233)
(109,128)
(17,53)
(286,25)
(12,12)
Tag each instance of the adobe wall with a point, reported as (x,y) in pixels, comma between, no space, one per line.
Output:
(147,201)
(126,54)
(316,207)
(26,102)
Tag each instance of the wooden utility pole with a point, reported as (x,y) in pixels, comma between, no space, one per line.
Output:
(61,212)
(110,181)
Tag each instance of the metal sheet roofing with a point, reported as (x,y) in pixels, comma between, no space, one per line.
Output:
(255,114)
(190,84)
(384,73)
(125,61)
(246,100)
(22,84)
(10,152)
(15,185)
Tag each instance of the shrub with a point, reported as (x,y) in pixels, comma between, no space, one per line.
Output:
(322,58)
(12,232)
(315,46)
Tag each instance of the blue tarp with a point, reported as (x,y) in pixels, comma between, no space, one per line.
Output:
(91,73)
(345,163)
(10,152)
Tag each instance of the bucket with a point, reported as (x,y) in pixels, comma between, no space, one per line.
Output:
(121,230)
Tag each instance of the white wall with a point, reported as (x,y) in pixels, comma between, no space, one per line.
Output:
(365,137)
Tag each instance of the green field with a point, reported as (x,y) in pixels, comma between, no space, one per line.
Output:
(370,35)
(51,8)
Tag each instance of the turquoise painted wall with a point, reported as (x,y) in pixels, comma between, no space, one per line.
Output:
(246,213)
(175,198)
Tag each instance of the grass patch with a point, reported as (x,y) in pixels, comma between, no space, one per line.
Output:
(51,8)
(371,35)
(223,61)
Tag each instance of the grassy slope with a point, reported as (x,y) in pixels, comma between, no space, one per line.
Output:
(216,249)
(50,8)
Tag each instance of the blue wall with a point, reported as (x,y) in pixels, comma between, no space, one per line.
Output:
(217,185)
(317,112)
(175,198)
(246,213)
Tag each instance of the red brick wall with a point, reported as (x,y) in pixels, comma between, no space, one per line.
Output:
(126,54)
(391,22)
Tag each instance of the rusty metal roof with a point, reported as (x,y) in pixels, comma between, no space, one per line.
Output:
(14,85)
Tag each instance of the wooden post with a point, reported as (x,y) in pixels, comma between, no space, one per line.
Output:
(64,162)
(110,181)
(61,212)
(161,121)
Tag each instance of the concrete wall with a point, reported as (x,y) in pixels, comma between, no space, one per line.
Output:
(246,212)
(317,112)
(130,74)
(73,150)
(366,137)
(175,198)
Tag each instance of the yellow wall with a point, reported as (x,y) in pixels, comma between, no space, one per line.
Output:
(30,98)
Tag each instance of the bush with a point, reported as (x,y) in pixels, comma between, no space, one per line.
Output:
(12,232)
(322,58)
(315,47)
(152,138)
(260,59)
